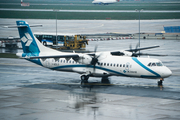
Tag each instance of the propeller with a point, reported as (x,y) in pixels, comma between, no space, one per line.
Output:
(134,51)
(94,60)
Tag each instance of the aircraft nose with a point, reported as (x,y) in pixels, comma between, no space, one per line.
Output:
(166,72)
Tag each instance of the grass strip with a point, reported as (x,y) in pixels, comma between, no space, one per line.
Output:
(86,15)
(8,55)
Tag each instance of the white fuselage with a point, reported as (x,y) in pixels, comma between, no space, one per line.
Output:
(97,64)
(111,66)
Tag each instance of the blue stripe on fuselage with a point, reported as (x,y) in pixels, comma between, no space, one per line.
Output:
(90,66)
(146,68)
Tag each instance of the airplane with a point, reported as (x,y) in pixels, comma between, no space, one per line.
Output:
(104,2)
(95,64)
(24,4)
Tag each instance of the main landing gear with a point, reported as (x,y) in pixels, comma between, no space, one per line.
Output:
(84,79)
(105,80)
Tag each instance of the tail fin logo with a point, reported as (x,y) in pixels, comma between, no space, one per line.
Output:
(27,39)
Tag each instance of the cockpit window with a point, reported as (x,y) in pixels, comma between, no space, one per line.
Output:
(155,64)
(149,64)
(159,64)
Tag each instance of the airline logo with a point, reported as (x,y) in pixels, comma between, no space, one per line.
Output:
(27,39)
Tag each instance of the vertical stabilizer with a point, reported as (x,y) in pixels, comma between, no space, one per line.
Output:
(28,41)
(31,45)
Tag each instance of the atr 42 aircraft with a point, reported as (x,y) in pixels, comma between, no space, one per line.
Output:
(104,2)
(96,64)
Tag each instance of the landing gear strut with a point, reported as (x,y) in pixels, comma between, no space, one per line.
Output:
(160,82)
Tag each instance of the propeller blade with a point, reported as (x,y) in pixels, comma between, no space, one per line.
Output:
(95,49)
(130,47)
(94,58)
(99,55)
(137,47)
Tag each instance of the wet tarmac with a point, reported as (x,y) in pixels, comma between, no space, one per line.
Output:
(28,91)
(31,92)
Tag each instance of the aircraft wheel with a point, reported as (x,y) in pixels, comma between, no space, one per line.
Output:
(84,79)
(105,80)
(160,82)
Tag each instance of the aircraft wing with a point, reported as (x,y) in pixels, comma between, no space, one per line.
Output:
(57,56)
(132,52)
(129,52)
(144,48)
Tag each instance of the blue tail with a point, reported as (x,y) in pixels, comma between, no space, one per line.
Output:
(29,44)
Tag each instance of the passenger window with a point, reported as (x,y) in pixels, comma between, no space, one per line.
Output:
(101,64)
(123,65)
(107,64)
(120,65)
(104,64)
(111,64)
(117,65)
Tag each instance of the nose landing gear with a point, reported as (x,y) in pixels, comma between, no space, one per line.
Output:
(160,82)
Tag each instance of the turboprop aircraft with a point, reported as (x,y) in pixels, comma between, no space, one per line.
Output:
(104,2)
(95,64)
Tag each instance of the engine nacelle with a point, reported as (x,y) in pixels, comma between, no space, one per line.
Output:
(85,59)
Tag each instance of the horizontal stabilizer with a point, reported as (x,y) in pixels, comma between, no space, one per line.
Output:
(21,26)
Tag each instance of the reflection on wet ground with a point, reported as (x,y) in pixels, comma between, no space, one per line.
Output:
(45,101)
(28,91)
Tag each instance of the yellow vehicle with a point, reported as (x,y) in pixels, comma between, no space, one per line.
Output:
(66,41)
(76,42)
